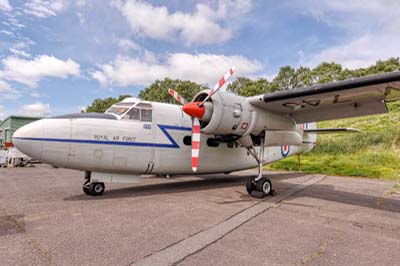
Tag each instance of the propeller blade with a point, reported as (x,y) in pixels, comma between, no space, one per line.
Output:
(195,143)
(177,97)
(220,83)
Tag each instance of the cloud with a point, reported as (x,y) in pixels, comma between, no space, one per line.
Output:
(1,111)
(200,68)
(5,5)
(205,25)
(20,48)
(36,109)
(372,27)
(43,8)
(8,93)
(129,45)
(30,72)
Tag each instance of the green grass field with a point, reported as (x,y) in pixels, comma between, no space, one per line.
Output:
(373,153)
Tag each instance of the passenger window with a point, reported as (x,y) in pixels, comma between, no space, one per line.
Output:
(133,114)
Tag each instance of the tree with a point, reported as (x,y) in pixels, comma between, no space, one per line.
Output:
(158,91)
(326,72)
(101,105)
(289,78)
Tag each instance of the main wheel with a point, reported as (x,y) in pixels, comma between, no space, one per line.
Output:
(96,188)
(250,186)
(264,186)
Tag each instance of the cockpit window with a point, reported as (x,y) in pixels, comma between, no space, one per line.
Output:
(144,105)
(125,104)
(117,110)
(142,112)
(133,114)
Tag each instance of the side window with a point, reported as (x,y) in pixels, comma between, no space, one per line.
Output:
(146,115)
(133,114)
(145,112)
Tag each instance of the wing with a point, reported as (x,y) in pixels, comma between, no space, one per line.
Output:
(348,98)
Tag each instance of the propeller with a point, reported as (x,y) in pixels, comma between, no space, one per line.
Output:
(177,96)
(197,110)
(195,143)
(217,86)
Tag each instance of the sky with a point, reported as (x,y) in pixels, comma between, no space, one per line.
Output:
(57,56)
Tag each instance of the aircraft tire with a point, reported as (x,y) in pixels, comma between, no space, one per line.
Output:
(250,186)
(96,188)
(264,186)
(85,190)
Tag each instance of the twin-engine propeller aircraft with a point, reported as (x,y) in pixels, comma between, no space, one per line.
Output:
(217,132)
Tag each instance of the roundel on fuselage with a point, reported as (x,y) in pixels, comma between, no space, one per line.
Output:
(285,149)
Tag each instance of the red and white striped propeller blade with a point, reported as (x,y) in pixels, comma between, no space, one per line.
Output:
(220,83)
(177,97)
(195,143)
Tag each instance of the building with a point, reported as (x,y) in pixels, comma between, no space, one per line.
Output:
(9,125)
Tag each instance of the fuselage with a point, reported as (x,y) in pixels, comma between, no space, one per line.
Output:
(155,139)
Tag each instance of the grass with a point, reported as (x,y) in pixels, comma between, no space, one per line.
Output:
(373,153)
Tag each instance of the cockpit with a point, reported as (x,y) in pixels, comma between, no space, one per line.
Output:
(132,109)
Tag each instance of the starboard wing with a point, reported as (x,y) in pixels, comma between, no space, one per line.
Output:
(342,99)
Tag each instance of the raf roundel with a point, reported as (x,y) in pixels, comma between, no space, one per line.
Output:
(285,149)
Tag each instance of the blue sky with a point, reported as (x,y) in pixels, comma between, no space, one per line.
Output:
(57,56)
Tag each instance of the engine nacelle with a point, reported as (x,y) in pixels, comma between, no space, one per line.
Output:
(228,115)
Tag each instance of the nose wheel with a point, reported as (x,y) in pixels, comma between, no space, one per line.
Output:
(92,188)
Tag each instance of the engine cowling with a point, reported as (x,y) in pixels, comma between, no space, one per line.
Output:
(226,114)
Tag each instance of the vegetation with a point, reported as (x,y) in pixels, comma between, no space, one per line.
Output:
(101,105)
(158,91)
(375,152)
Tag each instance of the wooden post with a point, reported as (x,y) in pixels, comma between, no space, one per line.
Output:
(298,162)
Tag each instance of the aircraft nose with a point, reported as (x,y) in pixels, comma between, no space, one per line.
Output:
(27,139)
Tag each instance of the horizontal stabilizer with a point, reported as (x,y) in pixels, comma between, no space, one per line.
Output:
(332,130)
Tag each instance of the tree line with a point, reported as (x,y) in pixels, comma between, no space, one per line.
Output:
(287,78)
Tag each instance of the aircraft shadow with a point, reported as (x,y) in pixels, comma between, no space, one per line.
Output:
(208,182)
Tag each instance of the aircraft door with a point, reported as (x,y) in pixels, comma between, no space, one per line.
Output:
(140,158)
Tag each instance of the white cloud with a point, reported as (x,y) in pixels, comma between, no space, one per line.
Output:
(373,27)
(43,8)
(205,25)
(5,5)
(200,68)
(1,111)
(128,45)
(30,72)
(36,109)
(6,32)
(20,48)
(8,93)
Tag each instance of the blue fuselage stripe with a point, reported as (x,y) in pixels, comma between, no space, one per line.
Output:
(164,129)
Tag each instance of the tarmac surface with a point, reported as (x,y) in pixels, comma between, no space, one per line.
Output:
(45,219)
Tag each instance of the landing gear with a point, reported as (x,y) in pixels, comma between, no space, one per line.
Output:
(258,186)
(92,188)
